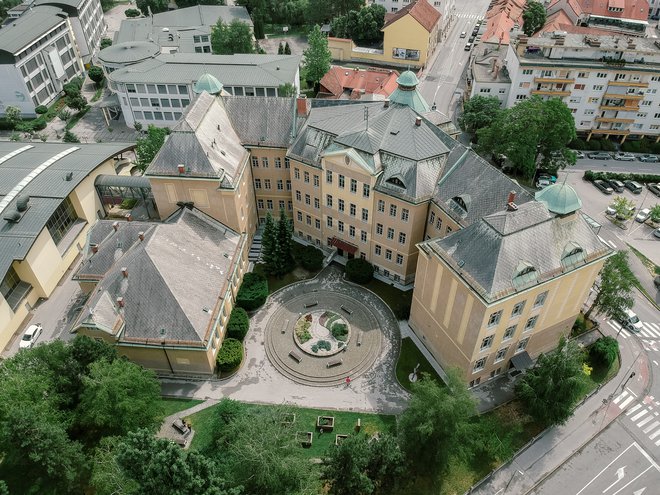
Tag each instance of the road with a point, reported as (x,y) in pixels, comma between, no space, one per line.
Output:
(441,84)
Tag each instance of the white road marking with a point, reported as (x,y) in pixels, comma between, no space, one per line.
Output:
(639,415)
(633,393)
(657,327)
(653,435)
(644,421)
(644,334)
(650,330)
(633,409)
(616,401)
(653,425)
(626,402)
(632,480)
(655,362)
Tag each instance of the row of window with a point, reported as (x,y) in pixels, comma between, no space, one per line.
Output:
(388,254)
(583,75)
(438,223)
(269,204)
(162,89)
(42,41)
(480,363)
(156,115)
(160,102)
(341,183)
(518,308)
(279,184)
(390,233)
(405,213)
(265,162)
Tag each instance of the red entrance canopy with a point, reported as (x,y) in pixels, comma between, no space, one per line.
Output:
(343,245)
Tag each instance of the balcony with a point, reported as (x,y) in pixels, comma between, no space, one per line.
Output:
(620,108)
(551,92)
(553,80)
(613,132)
(631,96)
(628,84)
(615,120)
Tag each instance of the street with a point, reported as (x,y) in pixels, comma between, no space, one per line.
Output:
(442,83)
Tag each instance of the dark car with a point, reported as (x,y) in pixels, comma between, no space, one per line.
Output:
(599,155)
(654,188)
(617,185)
(603,186)
(656,282)
(632,186)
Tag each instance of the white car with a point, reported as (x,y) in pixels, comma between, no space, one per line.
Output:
(643,215)
(30,337)
(625,157)
(463,34)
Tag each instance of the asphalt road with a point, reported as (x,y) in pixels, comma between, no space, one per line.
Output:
(440,83)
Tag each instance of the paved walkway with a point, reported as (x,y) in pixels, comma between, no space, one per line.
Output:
(259,382)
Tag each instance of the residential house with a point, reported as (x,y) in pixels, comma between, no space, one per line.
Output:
(358,84)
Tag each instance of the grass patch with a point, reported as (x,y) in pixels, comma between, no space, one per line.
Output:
(408,359)
(99,92)
(399,301)
(305,421)
(74,120)
(173,406)
(653,270)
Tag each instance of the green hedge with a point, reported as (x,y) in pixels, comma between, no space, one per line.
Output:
(311,258)
(359,271)
(230,355)
(641,178)
(592,145)
(604,351)
(253,291)
(641,146)
(239,324)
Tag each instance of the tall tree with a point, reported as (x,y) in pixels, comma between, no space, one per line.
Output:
(147,147)
(317,57)
(96,74)
(550,389)
(284,260)
(430,429)
(655,213)
(614,288)
(362,26)
(269,243)
(235,37)
(624,208)
(156,6)
(479,111)
(534,17)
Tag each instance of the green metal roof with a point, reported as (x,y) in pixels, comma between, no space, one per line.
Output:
(407,94)
(559,198)
(407,78)
(209,83)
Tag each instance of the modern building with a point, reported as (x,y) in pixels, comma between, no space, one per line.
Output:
(38,55)
(410,36)
(47,204)
(492,296)
(357,84)
(158,90)
(162,293)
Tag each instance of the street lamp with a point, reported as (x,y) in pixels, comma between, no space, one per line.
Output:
(627,380)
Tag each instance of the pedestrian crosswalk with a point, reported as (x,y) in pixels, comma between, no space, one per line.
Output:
(643,415)
(649,330)
(467,15)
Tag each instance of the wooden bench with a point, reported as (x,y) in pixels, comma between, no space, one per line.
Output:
(297,357)
(349,311)
(311,304)
(286,324)
(334,362)
(359,338)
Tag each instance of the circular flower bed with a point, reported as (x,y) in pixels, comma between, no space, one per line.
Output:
(322,333)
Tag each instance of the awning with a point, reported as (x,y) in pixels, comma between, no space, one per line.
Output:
(522,361)
(343,245)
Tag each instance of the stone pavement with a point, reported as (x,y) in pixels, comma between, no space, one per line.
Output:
(377,390)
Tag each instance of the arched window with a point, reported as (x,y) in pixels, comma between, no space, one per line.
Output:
(524,275)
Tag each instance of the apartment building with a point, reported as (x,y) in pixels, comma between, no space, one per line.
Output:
(38,55)
(492,296)
(447,9)
(610,83)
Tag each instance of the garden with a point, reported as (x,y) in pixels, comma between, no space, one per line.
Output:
(321,333)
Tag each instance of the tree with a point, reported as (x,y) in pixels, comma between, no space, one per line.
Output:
(41,109)
(280,49)
(107,5)
(286,90)
(96,74)
(534,17)
(70,137)
(235,37)
(550,390)
(119,397)
(437,417)
(191,3)
(624,208)
(284,261)
(130,13)
(359,271)
(655,213)
(479,111)
(230,355)
(362,26)
(320,11)
(253,291)
(317,56)
(614,289)
(604,351)
(105,43)
(147,147)
(156,6)
(13,115)
(269,242)
(287,49)
(77,102)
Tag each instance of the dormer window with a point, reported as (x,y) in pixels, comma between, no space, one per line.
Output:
(572,255)
(524,276)
(395,181)
(460,204)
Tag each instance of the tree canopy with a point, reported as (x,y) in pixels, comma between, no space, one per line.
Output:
(317,57)
(147,147)
(235,37)
(362,26)
(614,288)
(276,244)
(479,111)
(95,73)
(156,6)
(534,17)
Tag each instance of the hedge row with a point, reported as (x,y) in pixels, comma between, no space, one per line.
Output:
(239,324)
(592,145)
(590,175)
(311,258)
(230,355)
(253,291)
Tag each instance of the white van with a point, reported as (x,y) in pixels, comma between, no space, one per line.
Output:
(631,321)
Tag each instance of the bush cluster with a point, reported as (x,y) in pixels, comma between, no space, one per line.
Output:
(239,324)
(41,109)
(128,203)
(592,145)
(641,146)
(132,13)
(322,345)
(311,258)
(38,124)
(359,271)
(604,351)
(339,331)
(253,291)
(230,355)
(402,309)
(590,175)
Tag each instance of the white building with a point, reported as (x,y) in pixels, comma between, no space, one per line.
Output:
(610,83)
(447,9)
(38,55)
(654,9)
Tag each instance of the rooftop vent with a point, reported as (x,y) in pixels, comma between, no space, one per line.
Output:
(418,121)
(94,247)
(120,302)
(13,216)
(182,168)
(124,271)
(141,236)
(22,203)
(68,177)
(115,225)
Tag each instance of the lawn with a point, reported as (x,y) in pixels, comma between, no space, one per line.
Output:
(171,406)
(408,359)
(305,421)
(275,283)
(396,299)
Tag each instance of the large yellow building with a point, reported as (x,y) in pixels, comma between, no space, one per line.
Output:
(493,295)
(47,204)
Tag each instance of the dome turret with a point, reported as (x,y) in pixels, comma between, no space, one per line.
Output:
(208,83)
(559,198)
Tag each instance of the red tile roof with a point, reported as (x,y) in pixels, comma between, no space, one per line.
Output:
(501,18)
(632,9)
(370,81)
(420,10)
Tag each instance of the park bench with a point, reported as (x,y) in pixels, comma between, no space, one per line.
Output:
(297,357)
(334,362)
(286,324)
(359,338)
(311,304)
(181,427)
(349,311)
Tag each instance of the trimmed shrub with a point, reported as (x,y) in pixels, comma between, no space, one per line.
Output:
(339,331)
(577,144)
(105,43)
(324,344)
(132,13)
(311,258)
(359,271)
(607,145)
(239,324)
(41,109)
(39,124)
(253,291)
(604,351)
(590,175)
(230,355)
(70,137)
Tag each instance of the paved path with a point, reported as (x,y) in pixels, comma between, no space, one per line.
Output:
(259,382)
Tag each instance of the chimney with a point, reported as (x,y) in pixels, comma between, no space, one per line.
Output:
(386,103)
(497,71)
(95,248)
(418,121)
(115,225)
(129,217)
(141,236)
(182,168)
(303,106)
(492,69)
(124,271)
(120,302)
(511,198)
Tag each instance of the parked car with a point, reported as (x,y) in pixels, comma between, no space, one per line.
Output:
(624,157)
(648,158)
(632,186)
(617,185)
(543,182)
(656,233)
(30,336)
(468,47)
(463,34)
(472,38)
(656,282)
(631,321)
(579,154)
(599,155)
(622,217)
(654,188)
(643,215)
(610,210)
(603,186)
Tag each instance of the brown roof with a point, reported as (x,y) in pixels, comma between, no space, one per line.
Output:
(501,18)
(420,10)
(632,9)
(371,81)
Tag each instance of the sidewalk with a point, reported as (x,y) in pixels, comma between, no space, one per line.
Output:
(559,443)
(642,274)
